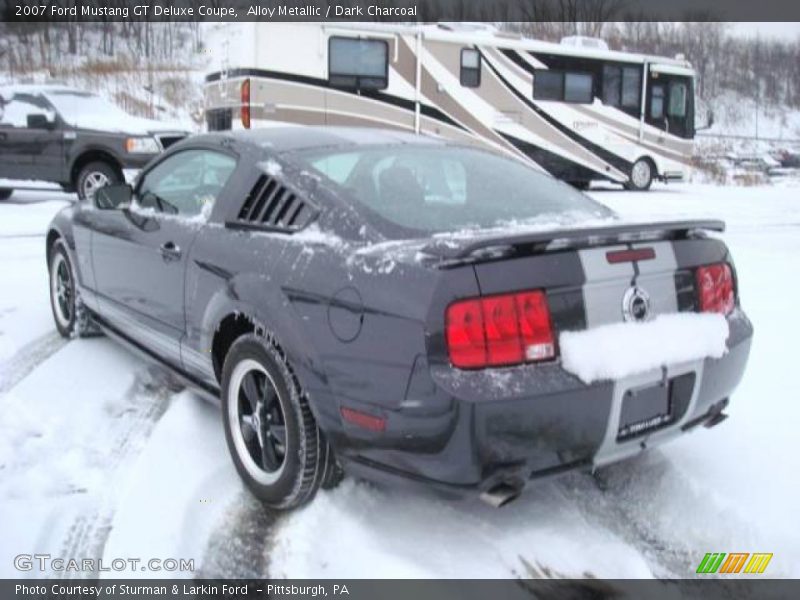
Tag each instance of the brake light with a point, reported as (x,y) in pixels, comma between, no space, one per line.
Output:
(715,288)
(499,330)
(634,255)
(245,112)
(466,337)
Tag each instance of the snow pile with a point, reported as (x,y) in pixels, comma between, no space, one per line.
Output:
(622,349)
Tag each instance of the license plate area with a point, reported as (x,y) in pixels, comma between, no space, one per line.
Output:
(645,409)
(651,407)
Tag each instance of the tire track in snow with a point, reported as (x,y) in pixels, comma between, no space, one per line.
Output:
(240,545)
(27,358)
(135,416)
(625,499)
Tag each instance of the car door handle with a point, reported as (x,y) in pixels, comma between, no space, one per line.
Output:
(170,251)
(3,136)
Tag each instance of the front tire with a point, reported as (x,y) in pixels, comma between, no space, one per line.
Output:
(70,315)
(94,176)
(641,177)
(5,193)
(276,445)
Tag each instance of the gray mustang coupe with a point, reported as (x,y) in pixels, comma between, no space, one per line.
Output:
(403,308)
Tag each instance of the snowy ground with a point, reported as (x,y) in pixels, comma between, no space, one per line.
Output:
(99,459)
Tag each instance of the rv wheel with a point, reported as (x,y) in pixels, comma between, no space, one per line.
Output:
(641,175)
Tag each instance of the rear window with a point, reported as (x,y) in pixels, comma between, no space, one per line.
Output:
(449,188)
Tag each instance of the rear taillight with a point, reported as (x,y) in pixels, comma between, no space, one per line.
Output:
(245,112)
(499,330)
(715,288)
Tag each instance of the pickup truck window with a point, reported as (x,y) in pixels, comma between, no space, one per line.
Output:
(186,184)
(15,112)
(82,109)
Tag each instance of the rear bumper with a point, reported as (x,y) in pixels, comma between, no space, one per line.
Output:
(481,429)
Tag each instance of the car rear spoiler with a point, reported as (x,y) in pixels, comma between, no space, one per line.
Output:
(460,249)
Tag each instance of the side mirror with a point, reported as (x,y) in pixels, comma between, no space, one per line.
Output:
(112,197)
(709,121)
(39,121)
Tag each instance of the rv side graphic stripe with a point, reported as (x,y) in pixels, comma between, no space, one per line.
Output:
(666,145)
(452,107)
(500,91)
(616,161)
(555,164)
(426,109)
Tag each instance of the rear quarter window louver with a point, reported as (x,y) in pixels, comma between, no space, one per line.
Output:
(274,206)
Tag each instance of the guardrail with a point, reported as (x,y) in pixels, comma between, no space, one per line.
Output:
(748,137)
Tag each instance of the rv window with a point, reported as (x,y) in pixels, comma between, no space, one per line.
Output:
(470,67)
(548,85)
(563,87)
(358,64)
(631,86)
(677,100)
(657,102)
(578,88)
(621,86)
(612,82)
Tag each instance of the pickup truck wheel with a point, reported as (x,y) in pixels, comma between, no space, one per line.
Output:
(5,193)
(69,313)
(94,176)
(276,445)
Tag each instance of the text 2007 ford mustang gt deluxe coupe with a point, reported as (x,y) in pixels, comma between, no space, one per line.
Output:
(403,308)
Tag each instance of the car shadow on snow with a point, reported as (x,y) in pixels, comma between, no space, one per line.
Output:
(619,189)
(638,518)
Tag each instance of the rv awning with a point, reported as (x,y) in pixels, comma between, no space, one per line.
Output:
(671,70)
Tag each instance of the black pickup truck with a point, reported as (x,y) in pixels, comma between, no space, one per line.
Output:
(73,138)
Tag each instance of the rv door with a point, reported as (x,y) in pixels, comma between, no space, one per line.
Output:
(670,104)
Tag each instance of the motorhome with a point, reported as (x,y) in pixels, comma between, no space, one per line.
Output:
(575,109)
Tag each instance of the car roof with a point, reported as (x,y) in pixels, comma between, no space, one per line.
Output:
(305,137)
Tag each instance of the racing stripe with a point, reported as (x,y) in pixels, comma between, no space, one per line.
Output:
(612,450)
(605,285)
(657,277)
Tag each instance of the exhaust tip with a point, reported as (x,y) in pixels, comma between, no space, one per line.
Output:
(715,420)
(501,494)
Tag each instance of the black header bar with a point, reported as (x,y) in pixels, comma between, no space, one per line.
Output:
(399,10)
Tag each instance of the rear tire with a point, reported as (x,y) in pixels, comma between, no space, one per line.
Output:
(641,176)
(94,176)
(71,317)
(333,474)
(276,445)
(5,193)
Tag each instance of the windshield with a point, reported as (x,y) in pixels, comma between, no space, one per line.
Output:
(452,188)
(81,107)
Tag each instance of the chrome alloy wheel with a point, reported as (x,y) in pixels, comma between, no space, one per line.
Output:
(641,174)
(256,418)
(62,290)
